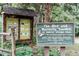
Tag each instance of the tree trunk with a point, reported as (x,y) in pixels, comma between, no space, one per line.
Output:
(47,12)
(46,20)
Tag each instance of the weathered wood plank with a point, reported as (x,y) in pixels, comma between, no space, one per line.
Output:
(4,33)
(5,50)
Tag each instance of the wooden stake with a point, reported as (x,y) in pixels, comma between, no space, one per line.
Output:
(2,41)
(46,51)
(62,50)
(13,42)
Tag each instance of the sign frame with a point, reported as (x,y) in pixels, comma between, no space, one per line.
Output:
(28,41)
(55,23)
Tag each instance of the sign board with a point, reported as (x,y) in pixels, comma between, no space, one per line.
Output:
(24,29)
(11,22)
(49,34)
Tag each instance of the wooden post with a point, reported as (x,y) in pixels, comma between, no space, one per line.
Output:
(2,30)
(13,42)
(46,51)
(62,50)
(2,41)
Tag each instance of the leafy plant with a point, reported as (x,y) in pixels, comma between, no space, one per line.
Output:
(40,52)
(54,52)
(24,51)
(7,45)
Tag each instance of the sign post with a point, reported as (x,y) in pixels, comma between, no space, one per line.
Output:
(46,51)
(62,50)
(13,42)
(55,34)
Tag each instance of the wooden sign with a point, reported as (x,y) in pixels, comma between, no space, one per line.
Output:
(49,34)
(24,29)
(11,22)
